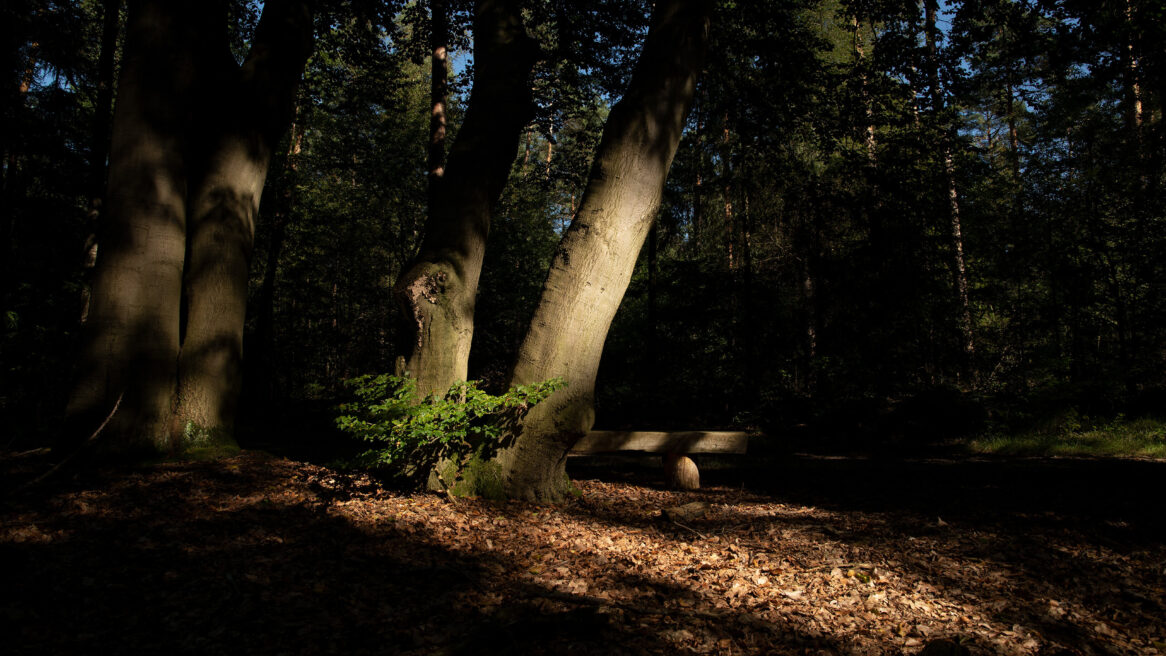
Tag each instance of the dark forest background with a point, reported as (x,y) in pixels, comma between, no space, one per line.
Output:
(883,224)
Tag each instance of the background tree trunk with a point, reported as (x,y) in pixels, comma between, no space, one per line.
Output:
(437,291)
(266,388)
(947,162)
(438,90)
(99,151)
(593,265)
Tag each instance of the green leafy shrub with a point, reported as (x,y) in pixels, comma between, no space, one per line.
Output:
(414,437)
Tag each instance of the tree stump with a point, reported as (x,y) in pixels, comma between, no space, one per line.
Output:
(680,472)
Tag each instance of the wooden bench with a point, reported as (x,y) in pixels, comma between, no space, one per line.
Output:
(680,471)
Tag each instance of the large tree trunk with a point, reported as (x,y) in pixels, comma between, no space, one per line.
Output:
(593,265)
(130,347)
(249,108)
(192,137)
(437,291)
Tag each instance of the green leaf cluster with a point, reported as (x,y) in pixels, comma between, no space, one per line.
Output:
(413,437)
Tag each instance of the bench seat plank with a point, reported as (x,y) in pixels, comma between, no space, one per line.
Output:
(662,442)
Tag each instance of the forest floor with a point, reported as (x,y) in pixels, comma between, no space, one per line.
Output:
(807,555)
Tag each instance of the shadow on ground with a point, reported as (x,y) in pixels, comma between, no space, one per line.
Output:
(222,558)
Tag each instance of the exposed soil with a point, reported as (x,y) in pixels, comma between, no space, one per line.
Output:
(258,554)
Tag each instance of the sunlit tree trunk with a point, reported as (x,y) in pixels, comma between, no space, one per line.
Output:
(593,264)
(1133,62)
(438,90)
(437,291)
(873,209)
(948,164)
(867,104)
(727,195)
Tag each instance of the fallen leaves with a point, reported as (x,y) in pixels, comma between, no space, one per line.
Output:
(270,555)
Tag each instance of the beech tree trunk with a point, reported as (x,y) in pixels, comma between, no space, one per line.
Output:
(192,138)
(437,291)
(131,338)
(593,265)
(248,108)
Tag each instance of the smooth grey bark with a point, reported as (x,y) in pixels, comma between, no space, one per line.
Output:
(593,265)
(192,136)
(131,338)
(437,291)
(246,110)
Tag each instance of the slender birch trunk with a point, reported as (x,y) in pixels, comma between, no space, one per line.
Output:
(968,344)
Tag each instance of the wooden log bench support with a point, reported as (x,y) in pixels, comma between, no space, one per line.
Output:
(680,471)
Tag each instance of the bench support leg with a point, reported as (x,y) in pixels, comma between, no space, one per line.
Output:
(680,472)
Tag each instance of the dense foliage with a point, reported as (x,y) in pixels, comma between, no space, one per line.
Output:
(412,437)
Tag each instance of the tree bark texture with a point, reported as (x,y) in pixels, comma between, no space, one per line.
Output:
(437,291)
(247,109)
(593,265)
(192,138)
(131,338)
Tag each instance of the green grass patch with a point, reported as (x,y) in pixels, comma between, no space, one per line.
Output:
(1075,436)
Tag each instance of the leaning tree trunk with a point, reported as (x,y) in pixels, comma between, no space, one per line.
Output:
(593,265)
(437,291)
(130,342)
(248,108)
